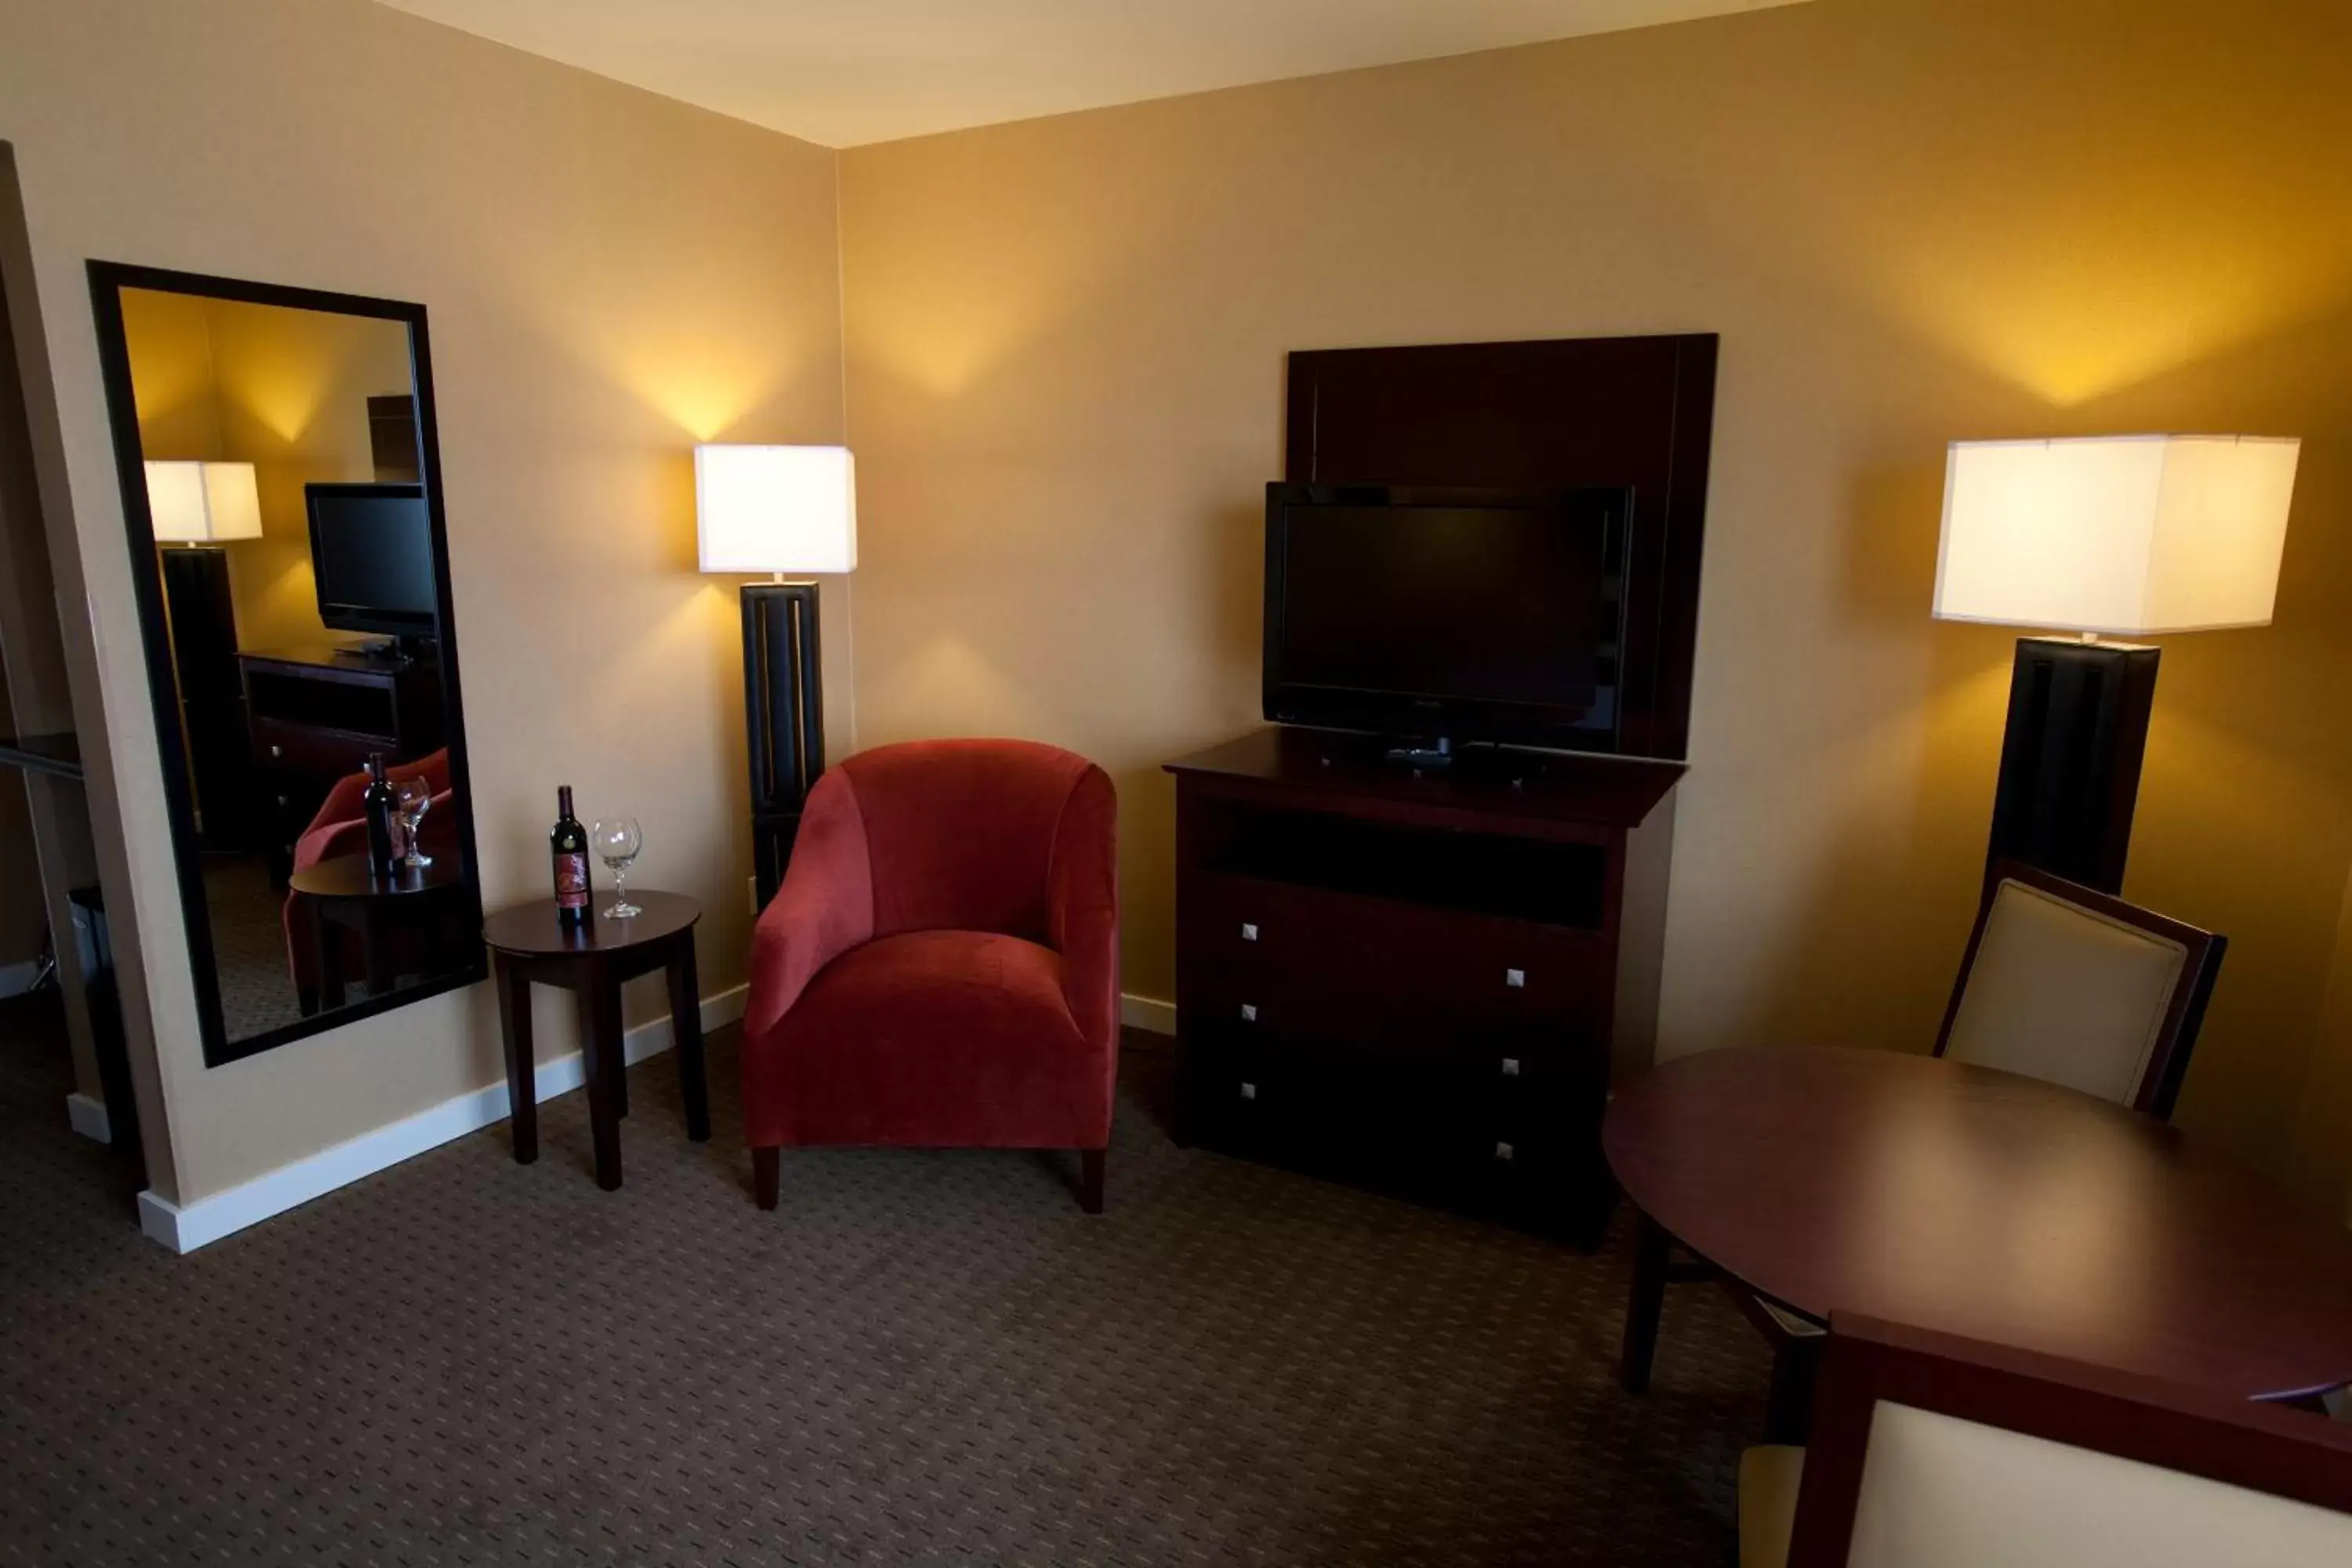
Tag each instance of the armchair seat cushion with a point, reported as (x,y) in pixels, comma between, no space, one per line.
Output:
(945,1038)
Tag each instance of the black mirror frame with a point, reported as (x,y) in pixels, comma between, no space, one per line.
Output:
(107,280)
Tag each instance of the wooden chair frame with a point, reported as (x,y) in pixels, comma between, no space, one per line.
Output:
(2261,1448)
(2168,1064)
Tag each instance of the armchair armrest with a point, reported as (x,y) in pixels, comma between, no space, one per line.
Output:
(342,808)
(1082,911)
(326,840)
(824,908)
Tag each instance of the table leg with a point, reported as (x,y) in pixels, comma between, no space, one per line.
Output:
(600,1046)
(522,1074)
(1789,1415)
(685,1034)
(1642,1306)
(331,973)
(616,1059)
(377,965)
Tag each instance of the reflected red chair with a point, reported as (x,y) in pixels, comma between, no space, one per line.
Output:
(940,967)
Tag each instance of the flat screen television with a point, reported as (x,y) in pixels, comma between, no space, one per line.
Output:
(1454,615)
(372,558)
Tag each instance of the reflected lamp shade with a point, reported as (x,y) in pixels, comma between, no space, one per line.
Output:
(2130,535)
(776,509)
(203,503)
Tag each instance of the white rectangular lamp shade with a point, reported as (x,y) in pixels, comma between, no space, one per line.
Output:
(776,509)
(2125,534)
(203,503)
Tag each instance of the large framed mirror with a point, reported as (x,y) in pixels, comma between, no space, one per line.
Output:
(281,486)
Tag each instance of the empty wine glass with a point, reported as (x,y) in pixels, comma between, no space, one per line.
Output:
(616,841)
(414,797)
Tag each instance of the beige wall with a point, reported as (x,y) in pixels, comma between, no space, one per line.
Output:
(283,390)
(1911,221)
(2323,1142)
(610,277)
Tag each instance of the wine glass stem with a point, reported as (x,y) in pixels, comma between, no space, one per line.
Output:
(621,886)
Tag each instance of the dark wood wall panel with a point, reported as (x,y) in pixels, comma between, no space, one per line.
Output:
(1584,411)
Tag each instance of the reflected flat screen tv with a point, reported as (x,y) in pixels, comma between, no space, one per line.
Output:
(1462,615)
(372,557)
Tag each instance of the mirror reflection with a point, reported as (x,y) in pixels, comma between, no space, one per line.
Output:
(298,639)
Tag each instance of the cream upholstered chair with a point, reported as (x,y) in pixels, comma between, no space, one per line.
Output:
(2061,982)
(2070,985)
(1930,1451)
(1770,1474)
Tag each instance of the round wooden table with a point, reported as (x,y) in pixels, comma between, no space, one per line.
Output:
(528,943)
(1929,1193)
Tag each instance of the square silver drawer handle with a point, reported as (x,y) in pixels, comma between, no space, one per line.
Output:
(1510,1066)
(1504,1152)
(1249,931)
(1515,978)
(1249,1011)
(1249,1091)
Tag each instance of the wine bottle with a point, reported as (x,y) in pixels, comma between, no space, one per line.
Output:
(569,844)
(375,801)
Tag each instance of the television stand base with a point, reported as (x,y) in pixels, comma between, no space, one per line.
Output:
(1438,754)
(386,653)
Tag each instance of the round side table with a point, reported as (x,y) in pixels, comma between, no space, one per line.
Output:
(383,912)
(528,944)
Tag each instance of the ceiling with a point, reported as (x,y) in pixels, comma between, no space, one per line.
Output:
(845,72)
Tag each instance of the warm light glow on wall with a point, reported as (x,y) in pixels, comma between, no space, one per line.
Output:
(203,503)
(2129,534)
(776,509)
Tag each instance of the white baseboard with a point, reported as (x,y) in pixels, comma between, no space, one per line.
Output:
(1148,1013)
(15,979)
(184,1228)
(88,1117)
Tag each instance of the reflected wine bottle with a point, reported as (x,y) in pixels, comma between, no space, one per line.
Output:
(569,844)
(375,802)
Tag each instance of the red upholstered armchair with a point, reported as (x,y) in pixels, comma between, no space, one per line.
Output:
(940,966)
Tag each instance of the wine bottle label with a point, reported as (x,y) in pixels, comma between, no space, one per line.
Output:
(571,880)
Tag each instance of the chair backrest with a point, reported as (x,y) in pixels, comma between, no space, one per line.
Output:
(960,834)
(1931,1451)
(2070,985)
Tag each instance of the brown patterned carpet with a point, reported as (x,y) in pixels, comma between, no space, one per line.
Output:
(249,963)
(925,1358)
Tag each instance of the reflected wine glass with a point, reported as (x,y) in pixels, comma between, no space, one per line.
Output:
(413,798)
(616,841)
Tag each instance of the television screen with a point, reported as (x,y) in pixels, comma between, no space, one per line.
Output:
(371,556)
(1472,614)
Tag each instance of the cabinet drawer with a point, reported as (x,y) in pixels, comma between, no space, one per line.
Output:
(1363,1029)
(1237,927)
(1464,1126)
(281,747)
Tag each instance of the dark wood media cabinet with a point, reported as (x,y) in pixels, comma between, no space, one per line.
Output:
(1418,981)
(316,715)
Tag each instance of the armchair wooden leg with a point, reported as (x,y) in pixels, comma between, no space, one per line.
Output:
(1090,1180)
(767,1175)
